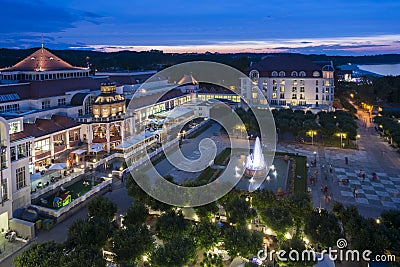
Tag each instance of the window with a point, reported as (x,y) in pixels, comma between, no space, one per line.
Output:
(294,89)
(80,112)
(274,88)
(294,83)
(302,96)
(294,73)
(20,177)
(327,90)
(302,74)
(273,95)
(254,75)
(23,150)
(274,74)
(274,82)
(45,104)
(316,97)
(331,90)
(323,97)
(15,127)
(265,85)
(282,82)
(294,96)
(301,82)
(315,74)
(302,89)
(282,95)
(42,146)
(316,90)
(282,89)
(282,74)
(13,153)
(61,102)
(327,83)
(316,83)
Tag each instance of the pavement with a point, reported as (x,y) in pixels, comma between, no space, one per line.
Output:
(373,155)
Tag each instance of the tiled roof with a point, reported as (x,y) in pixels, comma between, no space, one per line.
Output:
(64,121)
(41,60)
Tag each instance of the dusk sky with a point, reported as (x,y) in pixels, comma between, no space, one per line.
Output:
(339,27)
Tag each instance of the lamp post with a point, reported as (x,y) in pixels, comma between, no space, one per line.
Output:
(312,133)
(341,135)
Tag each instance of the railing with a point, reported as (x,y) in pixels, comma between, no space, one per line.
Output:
(56,184)
(92,119)
(75,202)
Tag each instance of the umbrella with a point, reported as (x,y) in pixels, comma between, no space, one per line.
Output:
(35,176)
(57,166)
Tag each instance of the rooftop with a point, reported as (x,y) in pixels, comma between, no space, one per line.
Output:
(41,60)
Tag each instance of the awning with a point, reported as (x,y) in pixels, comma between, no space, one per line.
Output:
(79,151)
(57,166)
(35,176)
(97,149)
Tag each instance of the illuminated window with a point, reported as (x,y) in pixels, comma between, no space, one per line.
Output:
(273,95)
(282,89)
(316,74)
(302,96)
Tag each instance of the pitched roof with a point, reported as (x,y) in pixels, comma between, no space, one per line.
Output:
(41,60)
(286,63)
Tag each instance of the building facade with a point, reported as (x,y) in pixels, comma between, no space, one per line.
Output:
(291,82)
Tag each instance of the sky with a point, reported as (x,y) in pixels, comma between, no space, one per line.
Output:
(338,27)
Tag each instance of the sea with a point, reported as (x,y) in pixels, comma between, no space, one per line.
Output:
(382,69)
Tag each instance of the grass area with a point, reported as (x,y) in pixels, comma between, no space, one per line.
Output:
(300,184)
(76,190)
(199,131)
(223,157)
(209,174)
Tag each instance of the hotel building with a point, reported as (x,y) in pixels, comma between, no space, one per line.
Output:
(290,82)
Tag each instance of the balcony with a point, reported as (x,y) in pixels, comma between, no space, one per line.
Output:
(92,119)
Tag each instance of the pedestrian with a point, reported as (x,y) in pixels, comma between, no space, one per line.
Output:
(322,189)
(354,192)
(330,168)
(363,176)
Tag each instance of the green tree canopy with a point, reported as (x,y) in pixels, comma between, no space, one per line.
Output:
(101,207)
(171,224)
(176,252)
(136,214)
(240,241)
(130,244)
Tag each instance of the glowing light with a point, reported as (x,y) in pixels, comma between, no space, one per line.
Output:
(268,231)
(196,218)
(305,239)
(275,173)
(249,226)
(213,220)
(268,178)
(109,175)
(145,258)
(378,221)
(288,236)
(272,167)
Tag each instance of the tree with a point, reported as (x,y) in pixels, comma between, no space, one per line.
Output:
(40,255)
(206,234)
(136,214)
(171,224)
(294,259)
(239,210)
(89,233)
(102,208)
(211,260)
(240,241)
(322,228)
(205,212)
(176,252)
(130,244)
(278,218)
(82,256)
(299,205)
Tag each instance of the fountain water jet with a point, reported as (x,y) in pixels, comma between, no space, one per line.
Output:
(255,163)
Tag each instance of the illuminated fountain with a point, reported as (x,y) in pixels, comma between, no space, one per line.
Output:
(255,164)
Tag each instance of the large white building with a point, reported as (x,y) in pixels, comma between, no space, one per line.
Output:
(290,81)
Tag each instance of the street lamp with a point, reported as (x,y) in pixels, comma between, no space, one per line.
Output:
(341,135)
(312,133)
(315,157)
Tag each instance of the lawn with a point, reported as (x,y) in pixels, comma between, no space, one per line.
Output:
(223,157)
(76,190)
(300,184)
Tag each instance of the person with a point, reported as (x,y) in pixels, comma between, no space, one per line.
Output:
(330,168)
(326,188)
(354,192)
(363,176)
